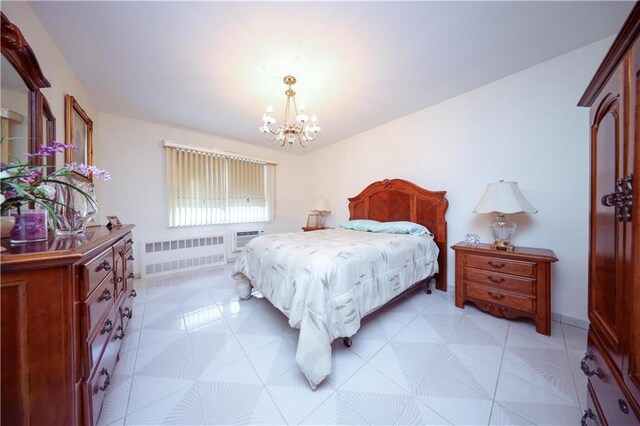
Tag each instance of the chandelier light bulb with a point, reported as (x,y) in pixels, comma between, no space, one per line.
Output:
(269,109)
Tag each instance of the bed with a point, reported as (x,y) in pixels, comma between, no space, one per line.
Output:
(326,281)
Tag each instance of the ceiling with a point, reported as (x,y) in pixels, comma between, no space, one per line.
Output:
(215,66)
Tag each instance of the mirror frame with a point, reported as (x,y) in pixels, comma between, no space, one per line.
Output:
(45,112)
(19,54)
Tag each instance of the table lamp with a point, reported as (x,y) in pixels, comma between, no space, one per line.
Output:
(322,209)
(503,198)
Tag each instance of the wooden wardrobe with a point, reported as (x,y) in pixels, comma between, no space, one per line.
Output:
(612,361)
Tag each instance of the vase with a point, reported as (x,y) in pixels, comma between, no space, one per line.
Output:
(30,225)
(72,209)
(6,225)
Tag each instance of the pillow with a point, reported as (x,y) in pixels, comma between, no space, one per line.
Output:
(401,227)
(359,225)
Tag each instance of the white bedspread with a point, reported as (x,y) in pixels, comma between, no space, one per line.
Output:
(326,281)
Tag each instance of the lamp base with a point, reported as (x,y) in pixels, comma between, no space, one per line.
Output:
(502,245)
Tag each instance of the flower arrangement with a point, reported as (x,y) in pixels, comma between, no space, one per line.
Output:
(26,184)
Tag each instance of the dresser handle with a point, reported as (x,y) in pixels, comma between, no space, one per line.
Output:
(496,297)
(127,313)
(493,280)
(106,295)
(588,414)
(131,257)
(497,265)
(118,280)
(131,275)
(622,404)
(585,368)
(130,241)
(108,326)
(133,293)
(119,333)
(104,265)
(105,385)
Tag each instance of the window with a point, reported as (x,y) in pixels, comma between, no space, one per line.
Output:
(211,188)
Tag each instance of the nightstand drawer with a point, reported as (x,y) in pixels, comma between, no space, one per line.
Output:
(500,281)
(496,264)
(493,295)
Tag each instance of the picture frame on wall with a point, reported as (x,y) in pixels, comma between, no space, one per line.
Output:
(78,131)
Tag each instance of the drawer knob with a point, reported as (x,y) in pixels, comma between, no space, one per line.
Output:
(496,296)
(107,381)
(104,265)
(585,367)
(119,333)
(622,404)
(133,293)
(118,280)
(588,414)
(495,281)
(106,295)
(496,265)
(127,313)
(108,326)
(131,257)
(130,241)
(131,275)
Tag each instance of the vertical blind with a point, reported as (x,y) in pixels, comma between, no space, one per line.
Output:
(206,188)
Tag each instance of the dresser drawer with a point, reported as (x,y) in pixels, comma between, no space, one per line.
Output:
(496,264)
(100,380)
(499,297)
(96,342)
(96,270)
(97,304)
(128,242)
(500,281)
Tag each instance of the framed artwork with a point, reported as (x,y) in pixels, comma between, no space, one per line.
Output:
(312,221)
(78,131)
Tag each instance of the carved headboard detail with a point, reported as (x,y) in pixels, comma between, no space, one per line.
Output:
(396,199)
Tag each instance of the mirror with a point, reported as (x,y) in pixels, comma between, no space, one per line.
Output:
(21,100)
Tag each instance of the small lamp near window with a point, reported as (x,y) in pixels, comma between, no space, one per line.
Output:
(503,198)
(322,209)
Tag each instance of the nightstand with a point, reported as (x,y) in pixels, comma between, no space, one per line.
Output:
(506,284)
(311,228)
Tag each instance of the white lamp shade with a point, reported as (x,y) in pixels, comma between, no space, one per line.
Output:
(322,205)
(504,197)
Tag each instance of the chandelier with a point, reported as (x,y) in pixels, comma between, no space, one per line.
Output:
(290,131)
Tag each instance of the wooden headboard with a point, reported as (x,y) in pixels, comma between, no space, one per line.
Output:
(396,199)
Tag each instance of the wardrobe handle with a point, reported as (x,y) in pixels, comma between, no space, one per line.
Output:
(107,381)
(106,295)
(108,326)
(585,368)
(131,257)
(133,293)
(119,333)
(130,241)
(496,297)
(127,313)
(497,265)
(104,265)
(588,414)
(495,281)
(131,275)
(622,404)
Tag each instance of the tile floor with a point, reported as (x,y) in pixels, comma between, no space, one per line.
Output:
(194,355)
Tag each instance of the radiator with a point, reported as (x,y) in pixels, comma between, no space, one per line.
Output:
(240,239)
(166,256)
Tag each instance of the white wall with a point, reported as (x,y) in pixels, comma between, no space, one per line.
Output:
(54,66)
(132,152)
(525,128)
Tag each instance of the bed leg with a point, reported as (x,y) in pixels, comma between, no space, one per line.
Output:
(426,286)
(347,341)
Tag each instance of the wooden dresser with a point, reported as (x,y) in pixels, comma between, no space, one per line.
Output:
(612,361)
(66,304)
(506,284)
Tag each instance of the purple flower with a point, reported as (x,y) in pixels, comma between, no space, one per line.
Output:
(48,151)
(85,170)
